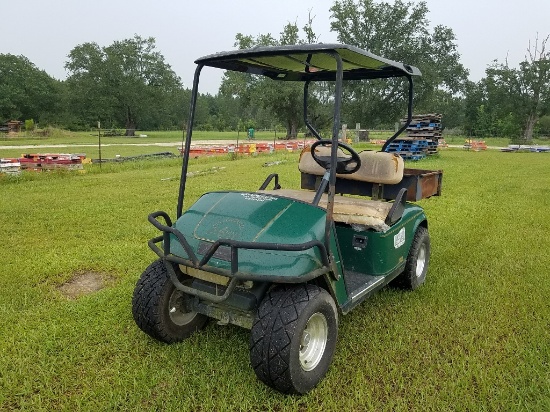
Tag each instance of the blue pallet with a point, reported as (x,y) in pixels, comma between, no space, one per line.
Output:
(426,124)
(422,143)
(408,150)
(414,157)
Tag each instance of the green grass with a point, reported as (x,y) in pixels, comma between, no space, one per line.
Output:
(125,146)
(474,337)
(64,137)
(87,142)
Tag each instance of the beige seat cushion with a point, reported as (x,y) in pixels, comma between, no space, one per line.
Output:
(376,167)
(350,210)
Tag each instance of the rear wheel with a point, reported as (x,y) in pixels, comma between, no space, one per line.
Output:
(293,338)
(418,259)
(159,308)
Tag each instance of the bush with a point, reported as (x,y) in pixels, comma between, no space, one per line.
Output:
(29,125)
(544,126)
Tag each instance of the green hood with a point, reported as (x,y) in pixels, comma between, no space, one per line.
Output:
(258,218)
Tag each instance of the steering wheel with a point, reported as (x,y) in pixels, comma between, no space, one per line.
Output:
(344,165)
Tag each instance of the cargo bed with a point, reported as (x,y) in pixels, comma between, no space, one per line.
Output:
(420,184)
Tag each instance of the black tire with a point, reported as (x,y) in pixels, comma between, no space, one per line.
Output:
(287,317)
(157,307)
(417,263)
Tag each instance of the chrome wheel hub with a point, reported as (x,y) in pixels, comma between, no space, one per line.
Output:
(176,309)
(421,261)
(313,341)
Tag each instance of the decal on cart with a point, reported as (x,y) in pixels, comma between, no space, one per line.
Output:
(399,239)
(258,198)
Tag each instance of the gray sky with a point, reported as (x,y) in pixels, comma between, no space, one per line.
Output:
(46,31)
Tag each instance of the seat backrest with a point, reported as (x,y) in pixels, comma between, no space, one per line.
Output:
(376,167)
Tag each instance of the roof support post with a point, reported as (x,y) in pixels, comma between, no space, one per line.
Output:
(409,114)
(188,135)
(334,147)
(306,120)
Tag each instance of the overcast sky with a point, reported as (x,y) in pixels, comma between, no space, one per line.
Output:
(46,31)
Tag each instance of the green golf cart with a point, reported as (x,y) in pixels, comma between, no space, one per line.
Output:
(287,263)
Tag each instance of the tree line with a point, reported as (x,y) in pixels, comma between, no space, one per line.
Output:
(128,84)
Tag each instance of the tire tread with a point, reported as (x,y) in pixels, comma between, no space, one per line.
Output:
(271,335)
(148,306)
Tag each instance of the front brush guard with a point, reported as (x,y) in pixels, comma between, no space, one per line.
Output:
(234,274)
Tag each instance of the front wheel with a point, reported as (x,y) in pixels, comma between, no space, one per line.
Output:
(418,259)
(159,308)
(293,337)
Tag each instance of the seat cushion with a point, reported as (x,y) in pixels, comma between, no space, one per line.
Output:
(376,167)
(350,210)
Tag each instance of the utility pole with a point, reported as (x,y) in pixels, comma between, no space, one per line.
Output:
(99,140)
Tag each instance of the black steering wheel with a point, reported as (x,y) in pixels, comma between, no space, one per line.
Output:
(344,165)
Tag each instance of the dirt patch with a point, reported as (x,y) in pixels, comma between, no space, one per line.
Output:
(84,283)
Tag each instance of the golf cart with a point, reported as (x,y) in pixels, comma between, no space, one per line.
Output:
(287,263)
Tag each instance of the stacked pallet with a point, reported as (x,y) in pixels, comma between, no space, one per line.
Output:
(51,161)
(10,166)
(246,148)
(409,149)
(475,145)
(422,138)
(39,162)
(526,148)
(425,126)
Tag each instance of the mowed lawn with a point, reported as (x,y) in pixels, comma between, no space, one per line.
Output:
(474,337)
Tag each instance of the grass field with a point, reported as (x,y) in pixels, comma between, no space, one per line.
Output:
(474,337)
(87,142)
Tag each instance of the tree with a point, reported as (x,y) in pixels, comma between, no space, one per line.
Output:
(474,97)
(535,84)
(451,106)
(125,83)
(284,100)
(29,125)
(401,32)
(516,98)
(26,92)
(544,125)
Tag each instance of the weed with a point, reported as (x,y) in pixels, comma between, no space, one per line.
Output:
(474,337)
